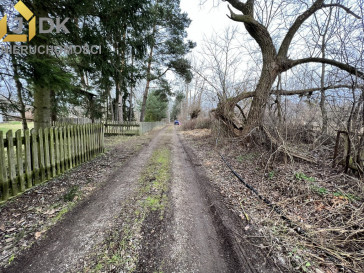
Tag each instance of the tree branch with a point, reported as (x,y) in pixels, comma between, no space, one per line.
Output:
(342,7)
(242,18)
(310,90)
(283,51)
(241,111)
(256,30)
(246,95)
(245,8)
(346,67)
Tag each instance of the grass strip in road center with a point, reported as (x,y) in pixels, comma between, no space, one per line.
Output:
(122,247)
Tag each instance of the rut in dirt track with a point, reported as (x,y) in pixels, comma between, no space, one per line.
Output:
(203,234)
(195,245)
(68,242)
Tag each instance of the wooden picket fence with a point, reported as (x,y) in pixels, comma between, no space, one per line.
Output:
(61,122)
(32,157)
(130,128)
(125,128)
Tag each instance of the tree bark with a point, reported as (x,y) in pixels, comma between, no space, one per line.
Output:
(54,106)
(262,93)
(42,107)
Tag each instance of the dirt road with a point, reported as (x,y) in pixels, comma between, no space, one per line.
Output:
(197,233)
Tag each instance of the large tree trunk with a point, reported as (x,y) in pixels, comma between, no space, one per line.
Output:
(42,107)
(262,94)
(54,107)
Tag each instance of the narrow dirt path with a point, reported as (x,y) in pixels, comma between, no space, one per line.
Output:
(180,225)
(195,245)
(67,243)
(203,234)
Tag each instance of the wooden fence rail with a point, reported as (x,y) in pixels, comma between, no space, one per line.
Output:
(32,157)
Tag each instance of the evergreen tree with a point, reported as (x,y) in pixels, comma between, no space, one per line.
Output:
(157,106)
(167,47)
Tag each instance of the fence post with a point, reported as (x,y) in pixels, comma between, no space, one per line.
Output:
(86,141)
(92,136)
(61,148)
(70,147)
(28,160)
(102,138)
(74,144)
(78,139)
(82,144)
(65,148)
(77,144)
(46,153)
(52,152)
(35,156)
(3,173)
(41,155)
(19,159)
(58,155)
(11,163)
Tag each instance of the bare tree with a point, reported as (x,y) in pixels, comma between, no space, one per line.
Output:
(277,59)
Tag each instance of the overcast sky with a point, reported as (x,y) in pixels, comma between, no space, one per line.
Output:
(206,19)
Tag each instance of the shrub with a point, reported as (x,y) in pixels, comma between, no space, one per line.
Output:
(200,123)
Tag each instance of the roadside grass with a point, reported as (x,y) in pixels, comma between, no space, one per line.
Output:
(120,250)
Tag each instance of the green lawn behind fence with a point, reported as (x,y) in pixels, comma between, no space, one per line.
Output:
(14,125)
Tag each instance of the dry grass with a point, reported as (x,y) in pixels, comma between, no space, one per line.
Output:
(325,203)
(199,123)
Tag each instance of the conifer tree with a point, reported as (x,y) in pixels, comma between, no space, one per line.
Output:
(167,47)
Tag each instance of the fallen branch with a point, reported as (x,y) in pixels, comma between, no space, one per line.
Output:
(282,147)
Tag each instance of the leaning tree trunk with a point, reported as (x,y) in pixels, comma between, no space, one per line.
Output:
(262,94)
